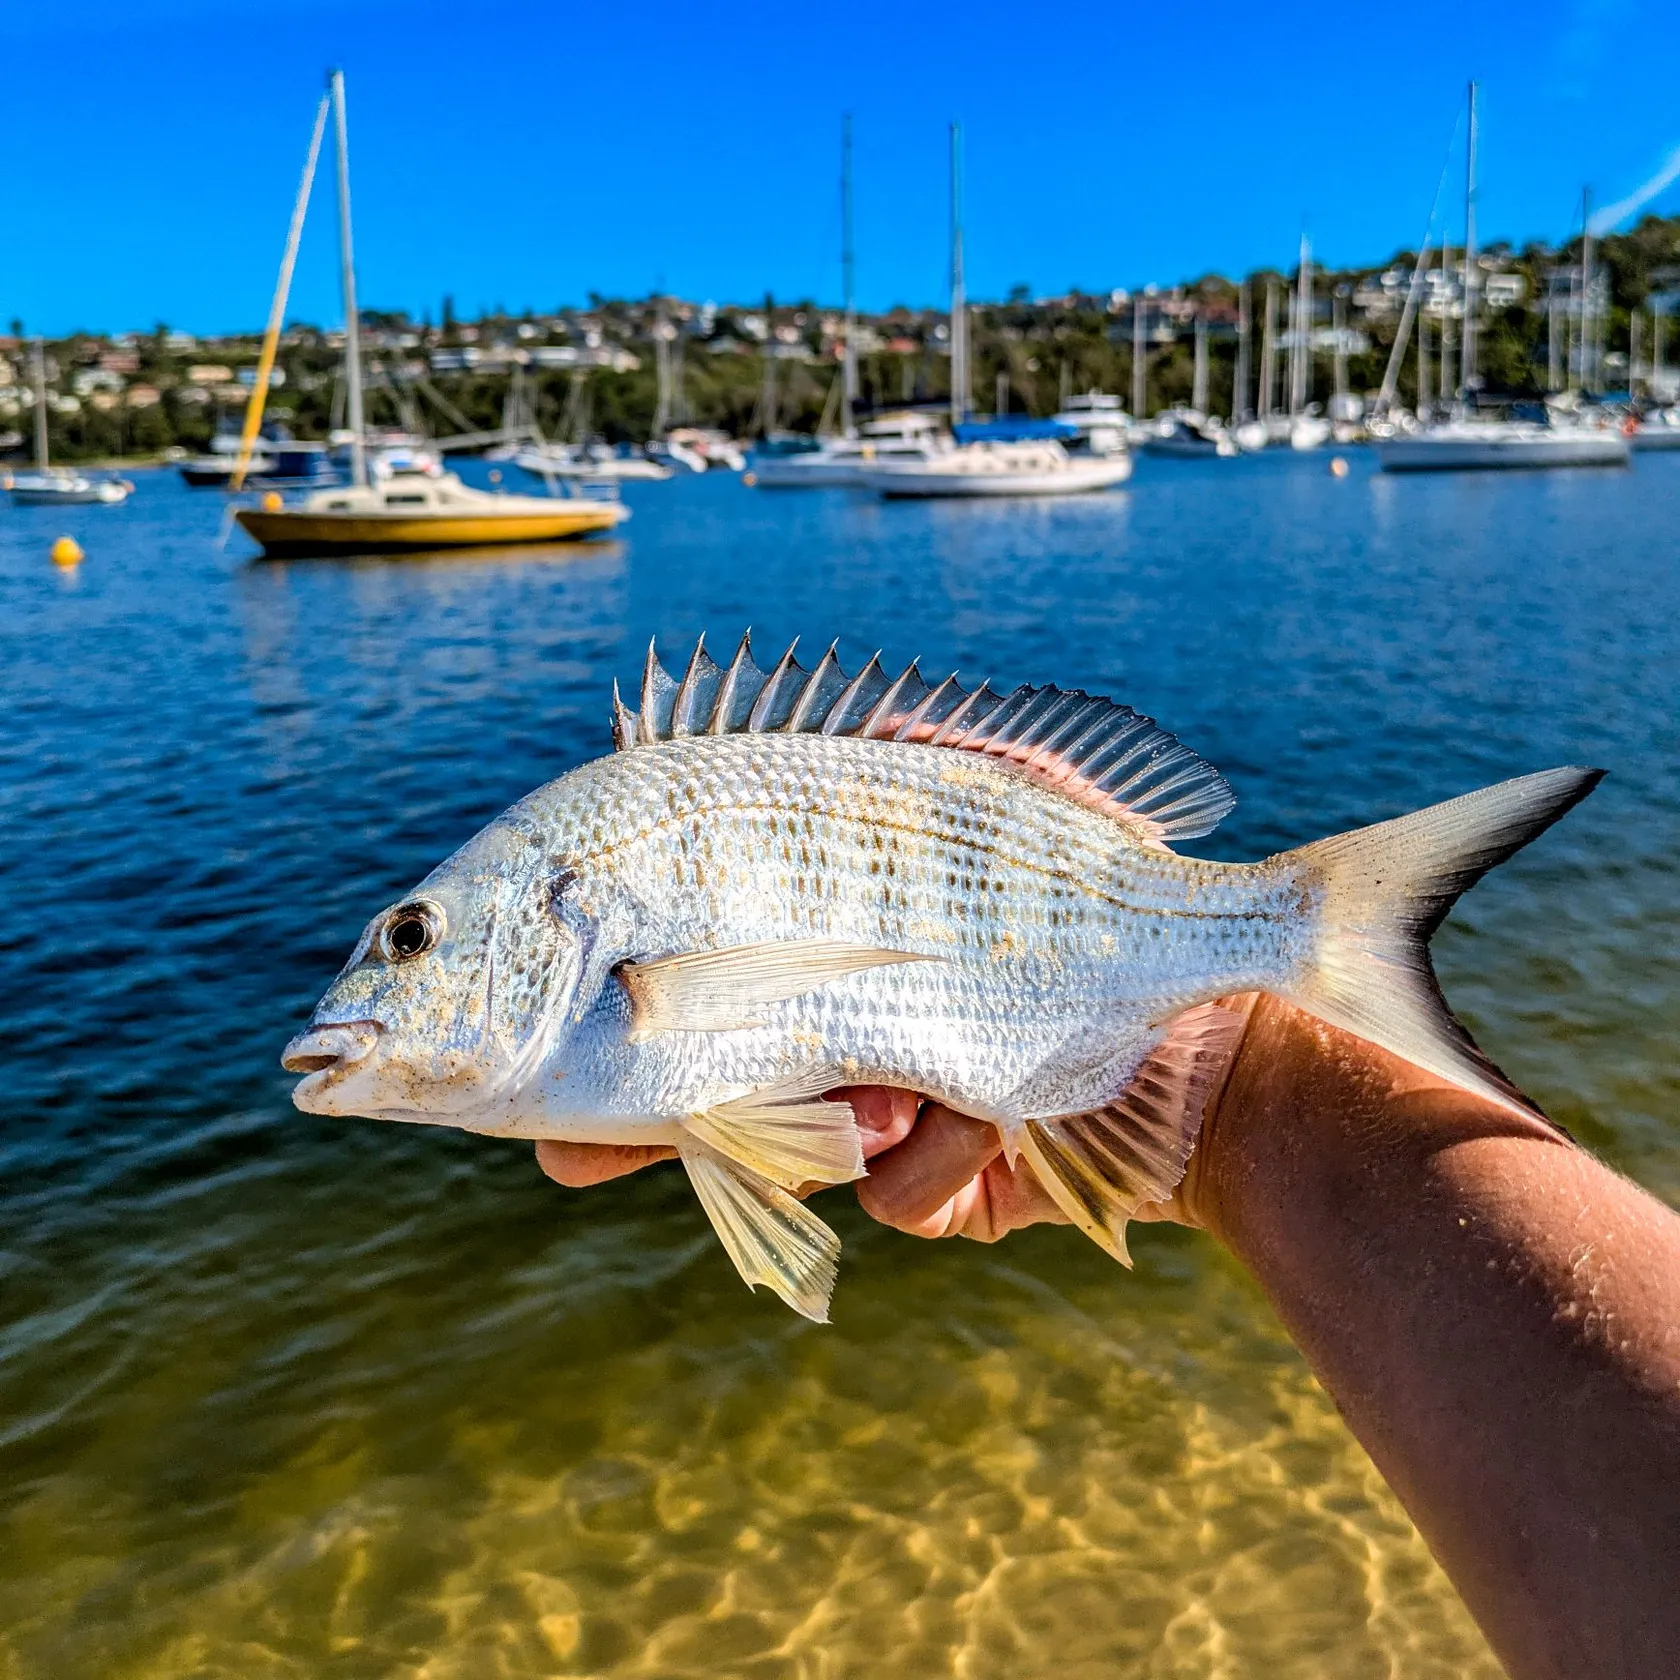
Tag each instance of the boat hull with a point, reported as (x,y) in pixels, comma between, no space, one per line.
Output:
(1656,437)
(1076,479)
(297,534)
(795,472)
(1462,454)
(71,493)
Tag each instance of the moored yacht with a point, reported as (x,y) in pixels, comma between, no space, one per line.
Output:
(399,499)
(1099,423)
(50,486)
(1187,433)
(1469,445)
(998,469)
(1657,428)
(827,463)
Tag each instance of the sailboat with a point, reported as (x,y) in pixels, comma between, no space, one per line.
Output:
(50,486)
(1461,442)
(1001,467)
(1308,429)
(400,509)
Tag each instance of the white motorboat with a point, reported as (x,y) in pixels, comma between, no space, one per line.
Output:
(845,463)
(998,469)
(1099,421)
(1657,429)
(57,487)
(1472,445)
(1251,436)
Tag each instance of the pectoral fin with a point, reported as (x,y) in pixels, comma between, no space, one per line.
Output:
(772,1238)
(785,1133)
(719,991)
(1101,1166)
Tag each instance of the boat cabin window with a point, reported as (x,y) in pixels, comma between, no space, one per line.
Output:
(405,501)
(338,506)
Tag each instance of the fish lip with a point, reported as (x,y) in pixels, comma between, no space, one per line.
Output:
(330,1047)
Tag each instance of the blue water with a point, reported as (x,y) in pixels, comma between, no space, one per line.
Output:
(281,1394)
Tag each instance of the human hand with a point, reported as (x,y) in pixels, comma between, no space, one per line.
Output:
(884,1119)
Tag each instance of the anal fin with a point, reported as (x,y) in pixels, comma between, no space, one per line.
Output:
(773,1238)
(785,1133)
(1101,1166)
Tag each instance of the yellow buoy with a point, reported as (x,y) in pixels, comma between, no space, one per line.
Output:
(1338,466)
(272,503)
(67,552)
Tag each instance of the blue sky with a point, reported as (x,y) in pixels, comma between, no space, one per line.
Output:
(519,155)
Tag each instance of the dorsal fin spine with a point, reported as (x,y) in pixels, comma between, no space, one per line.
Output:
(886,706)
(763,706)
(836,719)
(806,704)
(906,730)
(682,707)
(724,706)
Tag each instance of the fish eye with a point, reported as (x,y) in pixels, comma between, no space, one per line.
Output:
(411,930)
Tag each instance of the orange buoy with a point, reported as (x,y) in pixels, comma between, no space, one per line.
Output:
(66,552)
(749,479)
(495,475)
(1338,466)
(271,502)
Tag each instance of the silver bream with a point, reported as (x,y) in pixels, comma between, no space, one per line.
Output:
(783,883)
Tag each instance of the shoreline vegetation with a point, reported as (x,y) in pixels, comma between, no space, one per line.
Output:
(775,365)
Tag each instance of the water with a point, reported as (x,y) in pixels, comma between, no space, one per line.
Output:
(287,1395)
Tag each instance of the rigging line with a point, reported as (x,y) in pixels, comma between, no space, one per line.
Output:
(1391,376)
(277,311)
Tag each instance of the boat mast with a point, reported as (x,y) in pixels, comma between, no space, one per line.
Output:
(1445,366)
(959,295)
(1467,361)
(1240,379)
(1268,351)
(277,311)
(1199,379)
(347,268)
(40,364)
(848,366)
(1300,363)
(1338,328)
(1140,369)
(1589,370)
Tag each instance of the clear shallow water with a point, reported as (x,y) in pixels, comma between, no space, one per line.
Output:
(283,1395)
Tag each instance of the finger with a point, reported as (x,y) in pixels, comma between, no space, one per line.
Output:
(883,1114)
(578,1165)
(909,1186)
(1013,1199)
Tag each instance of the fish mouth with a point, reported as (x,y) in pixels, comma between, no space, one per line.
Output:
(329,1047)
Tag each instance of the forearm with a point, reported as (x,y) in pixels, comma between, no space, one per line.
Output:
(1495,1315)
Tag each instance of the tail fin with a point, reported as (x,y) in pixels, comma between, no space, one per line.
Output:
(1386,890)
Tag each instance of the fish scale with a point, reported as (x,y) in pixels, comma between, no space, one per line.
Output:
(788,881)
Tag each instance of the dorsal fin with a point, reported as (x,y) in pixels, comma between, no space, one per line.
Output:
(1102,754)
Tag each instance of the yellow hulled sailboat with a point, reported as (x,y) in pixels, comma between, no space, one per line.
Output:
(413,512)
(390,512)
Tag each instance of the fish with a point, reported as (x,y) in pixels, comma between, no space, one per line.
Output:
(785,882)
